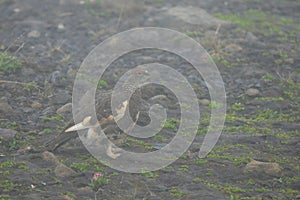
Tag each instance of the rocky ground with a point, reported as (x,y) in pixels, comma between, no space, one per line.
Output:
(256,47)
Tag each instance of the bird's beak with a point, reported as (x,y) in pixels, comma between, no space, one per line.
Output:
(82,125)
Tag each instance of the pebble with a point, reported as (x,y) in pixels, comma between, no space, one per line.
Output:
(145,58)
(48,156)
(194,15)
(34,34)
(270,168)
(233,48)
(66,197)
(7,134)
(161,188)
(238,81)
(2,47)
(36,105)
(250,37)
(193,78)
(252,92)
(17,10)
(62,97)
(4,106)
(69,2)
(24,150)
(27,109)
(60,26)
(85,189)
(47,111)
(204,102)
(28,71)
(55,77)
(63,171)
(289,60)
(60,170)
(159,146)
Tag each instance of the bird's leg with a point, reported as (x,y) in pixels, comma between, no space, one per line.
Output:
(110,151)
(121,111)
(116,149)
(129,129)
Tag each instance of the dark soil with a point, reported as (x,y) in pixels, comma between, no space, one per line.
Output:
(259,50)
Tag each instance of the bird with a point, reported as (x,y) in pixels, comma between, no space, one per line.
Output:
(137,106)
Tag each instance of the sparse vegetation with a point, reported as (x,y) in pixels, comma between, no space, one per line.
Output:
(79,167)
(102,84)
(98,181)
(177,193)
(150,174)
(8,63)
(200,161)
(29,86)
(171,124)
(58,118)
(140,143)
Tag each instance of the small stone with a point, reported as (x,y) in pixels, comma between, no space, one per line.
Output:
(62,171)
(62,97)
(27,109)
(194,15)
(238,81)
(24,150)
(47,111)
(36,105)
(7,134)
(68,2)
(250,37)
(252,92)
(17,10)
(2,47)
(67,108)
(194,78)
(162,188)
(34,34)
(55,77)
(48,156)
(85,189)
(4,106)
(270,168)
(61,26)
(289,60)
(146,58)
(158,146)
(66,197)
(204,102)
(233,48)
(28,71)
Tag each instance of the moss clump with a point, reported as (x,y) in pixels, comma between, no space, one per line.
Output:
(8,63)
